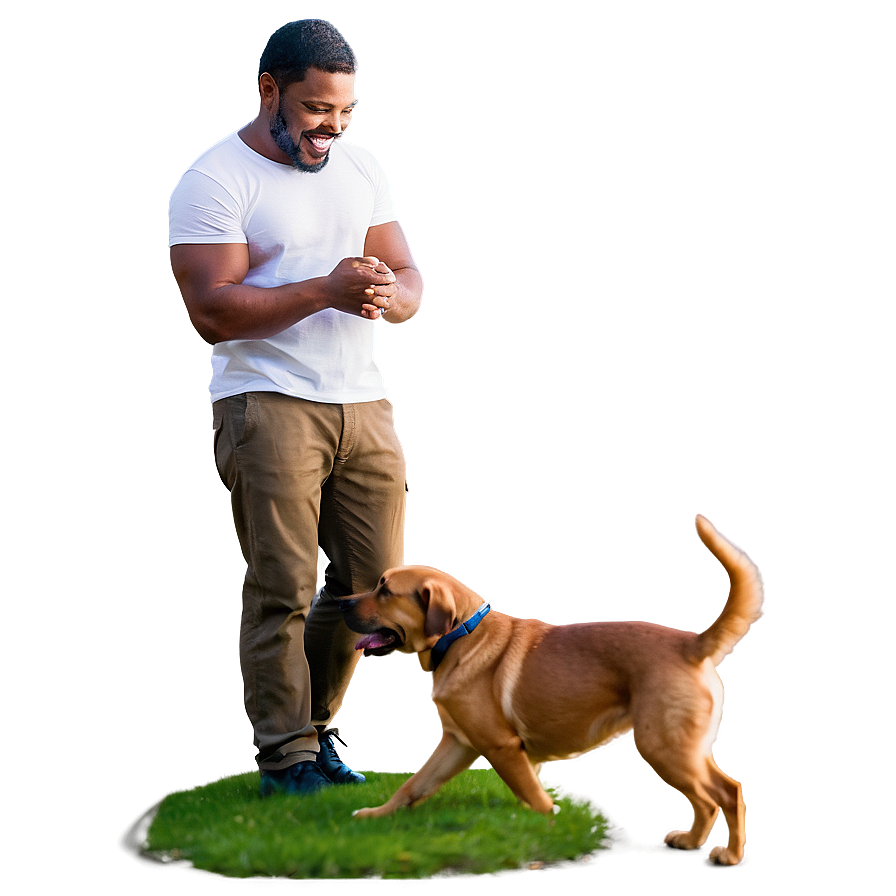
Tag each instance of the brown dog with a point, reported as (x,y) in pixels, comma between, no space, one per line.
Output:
(521,692)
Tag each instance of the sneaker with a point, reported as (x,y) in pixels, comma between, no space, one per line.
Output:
(331,765)
(298,779)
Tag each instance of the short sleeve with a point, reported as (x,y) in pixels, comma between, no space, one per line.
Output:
(202,211)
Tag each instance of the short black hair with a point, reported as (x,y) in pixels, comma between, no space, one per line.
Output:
(308,43)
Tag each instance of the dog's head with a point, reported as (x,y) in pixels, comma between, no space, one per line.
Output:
(409,610)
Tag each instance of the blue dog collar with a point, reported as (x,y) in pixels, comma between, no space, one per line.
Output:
(442,645)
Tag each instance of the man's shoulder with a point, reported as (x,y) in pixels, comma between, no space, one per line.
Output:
(230,166)
(358,160)
(358,155)
(219,154)
(209,199)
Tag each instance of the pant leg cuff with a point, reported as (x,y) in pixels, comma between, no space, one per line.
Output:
(276,762)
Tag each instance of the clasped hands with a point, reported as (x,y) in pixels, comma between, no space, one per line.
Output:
(363,286)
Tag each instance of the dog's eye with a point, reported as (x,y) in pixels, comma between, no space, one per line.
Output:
(383,580)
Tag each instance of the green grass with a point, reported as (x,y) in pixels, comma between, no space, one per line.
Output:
(473,825)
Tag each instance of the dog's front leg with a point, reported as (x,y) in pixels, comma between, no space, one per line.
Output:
(450,758)
(512,764)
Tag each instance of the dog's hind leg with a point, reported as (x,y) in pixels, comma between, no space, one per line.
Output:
(705,811)
(730,797)
(675,757)
(707,788)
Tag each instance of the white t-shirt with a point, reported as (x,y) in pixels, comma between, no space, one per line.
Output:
(297,225)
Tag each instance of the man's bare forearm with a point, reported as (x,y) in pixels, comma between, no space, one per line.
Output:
(405,303)
(240,311)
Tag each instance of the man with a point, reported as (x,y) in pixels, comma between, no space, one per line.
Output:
(286,251)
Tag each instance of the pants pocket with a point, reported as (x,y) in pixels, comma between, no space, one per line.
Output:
(234,419)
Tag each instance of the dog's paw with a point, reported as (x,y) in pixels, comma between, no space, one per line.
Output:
(681,840)
(370,812)
(721,855)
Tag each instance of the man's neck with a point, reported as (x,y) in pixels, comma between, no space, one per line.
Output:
(257,136)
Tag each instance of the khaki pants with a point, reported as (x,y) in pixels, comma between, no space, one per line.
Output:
(304,474)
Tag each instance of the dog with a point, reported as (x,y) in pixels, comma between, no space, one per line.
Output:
(521,692)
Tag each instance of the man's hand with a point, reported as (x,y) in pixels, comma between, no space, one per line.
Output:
(361,286)
(380,293)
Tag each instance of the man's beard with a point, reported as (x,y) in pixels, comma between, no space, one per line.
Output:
(280,133)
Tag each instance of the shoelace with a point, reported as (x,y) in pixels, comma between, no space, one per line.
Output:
(327,744)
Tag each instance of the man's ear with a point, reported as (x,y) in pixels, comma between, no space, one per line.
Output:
(268,90)
(441,612)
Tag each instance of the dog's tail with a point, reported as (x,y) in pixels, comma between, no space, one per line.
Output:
(744,604)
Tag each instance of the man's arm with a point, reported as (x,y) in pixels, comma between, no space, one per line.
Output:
(222,307)
(387,243)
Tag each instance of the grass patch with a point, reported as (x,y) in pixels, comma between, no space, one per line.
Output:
(473,825)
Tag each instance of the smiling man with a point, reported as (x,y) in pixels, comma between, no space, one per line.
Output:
(286,251)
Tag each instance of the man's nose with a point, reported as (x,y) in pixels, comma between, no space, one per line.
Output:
(333,122)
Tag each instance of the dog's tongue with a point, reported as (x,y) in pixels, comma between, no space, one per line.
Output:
(371,642)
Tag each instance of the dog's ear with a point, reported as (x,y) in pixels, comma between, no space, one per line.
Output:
(441,612)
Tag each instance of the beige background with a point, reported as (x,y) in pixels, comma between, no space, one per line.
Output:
(657,242)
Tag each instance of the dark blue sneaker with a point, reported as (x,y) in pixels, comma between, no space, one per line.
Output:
(331,765)
(296,780)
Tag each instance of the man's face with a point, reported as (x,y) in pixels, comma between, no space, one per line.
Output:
(310,115)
